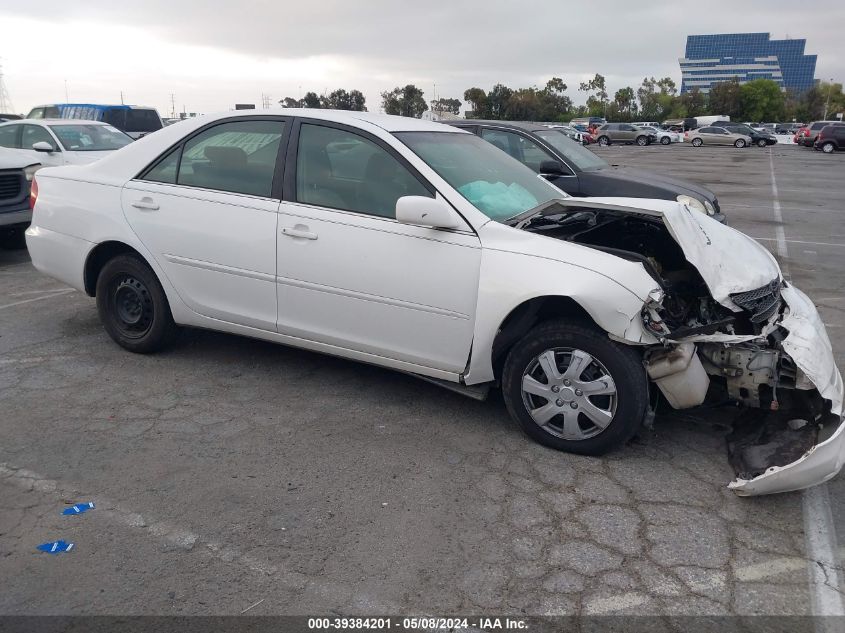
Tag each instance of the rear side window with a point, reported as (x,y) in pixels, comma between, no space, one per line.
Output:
(166,169)
(142,120)
(239,157)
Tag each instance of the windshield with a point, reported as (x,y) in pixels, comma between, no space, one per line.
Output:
(496,184)
(574,153)
(90,138)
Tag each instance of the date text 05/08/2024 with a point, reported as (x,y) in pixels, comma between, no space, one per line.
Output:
(416,623)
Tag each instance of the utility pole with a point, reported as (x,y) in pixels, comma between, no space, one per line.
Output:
(121,97)
(5,100)
(172,106)
(67,99)
(827,103)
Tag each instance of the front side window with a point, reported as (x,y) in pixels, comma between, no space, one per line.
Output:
(90,138)
(521,148)
(343,170)
(10,136)
(489,179)
(33,134)
(572,151)
(239,157)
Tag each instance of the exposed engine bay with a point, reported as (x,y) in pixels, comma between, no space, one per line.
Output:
(710,352)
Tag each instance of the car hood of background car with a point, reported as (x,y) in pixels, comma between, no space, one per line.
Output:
(672,186)
(13,160)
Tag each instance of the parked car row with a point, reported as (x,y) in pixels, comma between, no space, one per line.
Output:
(580,309)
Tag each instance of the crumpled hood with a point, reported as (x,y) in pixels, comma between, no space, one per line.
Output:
(729,261)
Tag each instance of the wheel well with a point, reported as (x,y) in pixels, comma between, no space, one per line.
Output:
(98,257)
(528,314)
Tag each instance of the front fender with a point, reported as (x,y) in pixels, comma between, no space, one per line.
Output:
(509,279)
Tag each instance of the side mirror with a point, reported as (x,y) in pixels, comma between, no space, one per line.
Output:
(551,168)
(424,211)
(43,146)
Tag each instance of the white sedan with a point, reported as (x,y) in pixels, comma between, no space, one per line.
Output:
(56,142)
(420,247)
(664,137)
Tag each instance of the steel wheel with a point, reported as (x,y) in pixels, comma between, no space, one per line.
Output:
(569,393)
(133,306)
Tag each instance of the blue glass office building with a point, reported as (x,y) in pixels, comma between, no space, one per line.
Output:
(710,59)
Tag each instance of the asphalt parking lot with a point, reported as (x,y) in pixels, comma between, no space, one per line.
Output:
(230,473)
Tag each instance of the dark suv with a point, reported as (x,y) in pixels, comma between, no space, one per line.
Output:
(808,135)
(623,133)
(579,172)
(15,175)
(760,139)
(831,138)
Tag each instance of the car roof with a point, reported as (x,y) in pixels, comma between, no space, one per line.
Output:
(387,122)
(58,122)
(526,126)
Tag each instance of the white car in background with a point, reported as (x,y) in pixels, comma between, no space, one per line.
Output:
(423,248)
(56,142)
(664,137)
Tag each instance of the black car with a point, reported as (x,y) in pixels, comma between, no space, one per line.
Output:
(578,171)
(758,138)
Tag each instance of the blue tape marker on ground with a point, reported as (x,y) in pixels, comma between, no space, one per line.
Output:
(79,508)
(56,547)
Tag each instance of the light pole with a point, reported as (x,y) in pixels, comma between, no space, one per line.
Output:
(827,103)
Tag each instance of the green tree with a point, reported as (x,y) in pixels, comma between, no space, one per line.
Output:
(407,101)
(452,106)
(725,98)
(762,100)
(833,98)
(290,102)
(311,100)
(340,99)
(624,103)
(693,103)
(656,97)
(596,103)
(497,101)
(478,99)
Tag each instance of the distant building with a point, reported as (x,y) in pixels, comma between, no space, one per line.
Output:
(710,59)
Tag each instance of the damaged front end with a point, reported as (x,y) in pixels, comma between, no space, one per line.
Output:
(729,330)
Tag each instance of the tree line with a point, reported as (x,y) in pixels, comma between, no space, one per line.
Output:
(653,100)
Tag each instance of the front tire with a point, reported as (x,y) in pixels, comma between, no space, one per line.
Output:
(132,305)
(571,388)
(642,141)
(665,140)
(828,148)
(762,143)
(697,142)
(739,143)
(604,141)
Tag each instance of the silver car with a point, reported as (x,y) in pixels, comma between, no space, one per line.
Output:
(717,136)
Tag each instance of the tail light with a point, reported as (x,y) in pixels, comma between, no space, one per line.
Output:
(33,193)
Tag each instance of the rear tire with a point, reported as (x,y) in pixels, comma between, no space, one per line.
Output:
(739,143)
(132,305)
(569,417)
(604,141)
(697,142)
(665,140)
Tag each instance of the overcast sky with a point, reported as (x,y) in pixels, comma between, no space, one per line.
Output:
(216,53)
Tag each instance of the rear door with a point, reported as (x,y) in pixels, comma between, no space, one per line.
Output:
(207,210)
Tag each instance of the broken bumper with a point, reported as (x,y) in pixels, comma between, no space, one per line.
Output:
(809,346)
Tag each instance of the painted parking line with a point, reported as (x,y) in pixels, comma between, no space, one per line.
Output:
(785,241)
(49,296)
(819,530)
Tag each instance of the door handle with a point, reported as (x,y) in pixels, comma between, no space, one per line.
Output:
(308,235)
(146,204)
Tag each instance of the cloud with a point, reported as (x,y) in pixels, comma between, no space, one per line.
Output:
(216,52)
